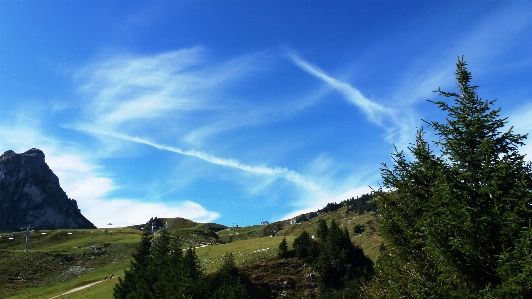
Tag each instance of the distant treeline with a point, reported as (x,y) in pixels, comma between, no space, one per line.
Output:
(361,204)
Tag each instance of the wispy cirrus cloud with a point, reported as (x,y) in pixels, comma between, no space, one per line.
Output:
(398,125)
(485,44)
(124,90)
(83,179)
(127,88)
(373,111)
(311,195)
(128,96)
(278,172)
(496,35)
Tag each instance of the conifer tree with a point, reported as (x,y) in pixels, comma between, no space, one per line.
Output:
(457,221)
(159,267)
(160,270)
(283,249)
(225,283)
(322,231)
(305,247)
(136,282)
(340,261)
(172,281)
(192,265)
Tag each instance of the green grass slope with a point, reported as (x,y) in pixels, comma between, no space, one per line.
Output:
(59,261)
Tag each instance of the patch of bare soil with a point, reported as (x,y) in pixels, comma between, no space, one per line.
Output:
(279,278)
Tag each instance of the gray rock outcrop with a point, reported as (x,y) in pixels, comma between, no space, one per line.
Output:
(30,194)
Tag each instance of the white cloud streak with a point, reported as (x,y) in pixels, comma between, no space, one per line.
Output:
(133,96)
(279,172)
(374,111)
(398,125)
(82,179)
(127,94)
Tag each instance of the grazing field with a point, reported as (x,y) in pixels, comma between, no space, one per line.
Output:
(64,260)
(101,289)
(58,261)
(245,251)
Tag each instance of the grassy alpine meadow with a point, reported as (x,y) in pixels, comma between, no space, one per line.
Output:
(102,289)
(245,251)
(369,239)
(251,250)
(62,261)
(58,261)
(95,286)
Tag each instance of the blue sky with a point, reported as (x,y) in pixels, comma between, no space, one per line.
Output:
(238,112)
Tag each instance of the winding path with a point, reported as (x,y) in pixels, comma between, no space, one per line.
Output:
(77,289)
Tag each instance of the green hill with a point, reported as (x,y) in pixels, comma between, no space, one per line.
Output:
(61,260)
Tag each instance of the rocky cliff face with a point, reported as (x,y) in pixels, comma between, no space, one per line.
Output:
(30,194)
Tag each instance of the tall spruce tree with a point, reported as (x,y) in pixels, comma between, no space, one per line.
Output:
(225,283)
(323,229)
(172,281)
(339,261)
(457,222)
(158,268)
(305,247)
(283,249)
(137,283)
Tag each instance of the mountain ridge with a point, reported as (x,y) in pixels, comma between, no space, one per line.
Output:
(30,194)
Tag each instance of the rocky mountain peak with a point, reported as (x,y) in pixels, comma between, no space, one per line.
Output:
(30,194)
(7,155)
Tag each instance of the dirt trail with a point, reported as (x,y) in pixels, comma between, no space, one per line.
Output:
(78,289)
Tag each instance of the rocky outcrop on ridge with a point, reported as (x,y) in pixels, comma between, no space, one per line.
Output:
(30,194)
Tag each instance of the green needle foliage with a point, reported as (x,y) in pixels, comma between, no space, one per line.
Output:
(136,283)
(159,269)
(283,249)
(457,222)
(342,267)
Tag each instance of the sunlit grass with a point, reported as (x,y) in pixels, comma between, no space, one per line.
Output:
(244,251)
(54,254)
(58,261)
